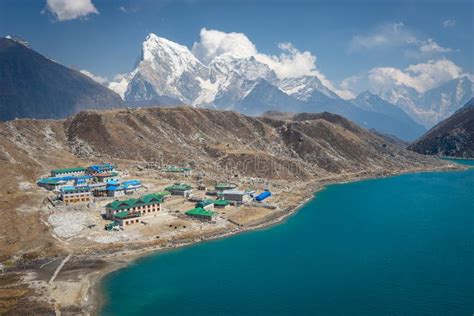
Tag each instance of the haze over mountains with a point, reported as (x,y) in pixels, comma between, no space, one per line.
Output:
(34,86)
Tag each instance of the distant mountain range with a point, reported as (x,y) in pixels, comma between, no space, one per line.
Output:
(34,86)
(168,70)
(453,137)
(167,73)
(434,105)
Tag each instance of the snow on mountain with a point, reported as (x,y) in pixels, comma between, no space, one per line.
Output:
(434,105)
(235,77)
(169,73)
(167,69)
(400,123)
(164,69)
(302,88)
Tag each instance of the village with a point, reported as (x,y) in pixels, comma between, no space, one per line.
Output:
(100,199)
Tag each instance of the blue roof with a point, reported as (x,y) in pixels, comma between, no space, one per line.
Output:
(132,182)
(262,196)
(74,188)
(115,188)
(99,167)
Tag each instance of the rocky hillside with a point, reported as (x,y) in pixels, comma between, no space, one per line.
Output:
(209,140)
(453,137)
(215,143)
(34,86)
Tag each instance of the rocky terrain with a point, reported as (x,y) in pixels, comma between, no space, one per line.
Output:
(34,86)
(453,137)
(296,156)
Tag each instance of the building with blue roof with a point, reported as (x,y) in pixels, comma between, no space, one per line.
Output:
(75,194)
(100,168)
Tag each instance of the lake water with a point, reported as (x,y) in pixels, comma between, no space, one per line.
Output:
(400,246)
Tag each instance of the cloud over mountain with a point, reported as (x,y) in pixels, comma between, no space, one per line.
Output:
(290,63)
(390,35)
(421,77)
(64,10)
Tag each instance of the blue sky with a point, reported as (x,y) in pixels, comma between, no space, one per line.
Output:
(347,38)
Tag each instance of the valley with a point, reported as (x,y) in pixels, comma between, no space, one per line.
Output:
(292,158)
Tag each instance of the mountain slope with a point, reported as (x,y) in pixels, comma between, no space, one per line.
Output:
(397,122)
(34,86)
(434,105)
(453,137)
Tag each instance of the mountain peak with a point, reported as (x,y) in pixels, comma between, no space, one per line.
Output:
(367,95)
(304,87)
(155,46)
(18,40)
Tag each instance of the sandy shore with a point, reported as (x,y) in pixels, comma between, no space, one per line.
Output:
(95,298)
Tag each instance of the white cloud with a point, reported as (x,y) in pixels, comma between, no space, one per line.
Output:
(392,35)
(214,43)
(448,23)
(421,77)
(99,79)
(128,10)
(70,9)
(388,34)
(290,63)
(430,46)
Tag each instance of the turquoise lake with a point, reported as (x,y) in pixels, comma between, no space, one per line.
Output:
(402,245)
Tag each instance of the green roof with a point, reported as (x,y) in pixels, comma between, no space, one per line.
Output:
(122,214)
(144,200)
(199,211)
(125,214)
(178,187)
(221,186)
(49,181)
(204,203)
(68,170)
(164,193)
(221,202)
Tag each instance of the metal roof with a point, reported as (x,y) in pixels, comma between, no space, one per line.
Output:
(199,211)
(144,200)
(68,170)
(178,187)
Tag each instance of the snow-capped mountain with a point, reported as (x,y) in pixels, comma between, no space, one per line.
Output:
(168,70)
(234,77)
(305,87)
(168,73)
(401,124)
(164,69)
(434,105)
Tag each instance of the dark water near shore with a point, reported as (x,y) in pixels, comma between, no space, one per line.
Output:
(397,246)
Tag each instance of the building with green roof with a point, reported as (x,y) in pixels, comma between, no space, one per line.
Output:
(181,189)
(201,214)
(208,205)
(221,203)
(125,218)
(225,186)
(146,205)
(68,171)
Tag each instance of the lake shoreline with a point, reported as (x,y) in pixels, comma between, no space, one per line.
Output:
(95,297)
